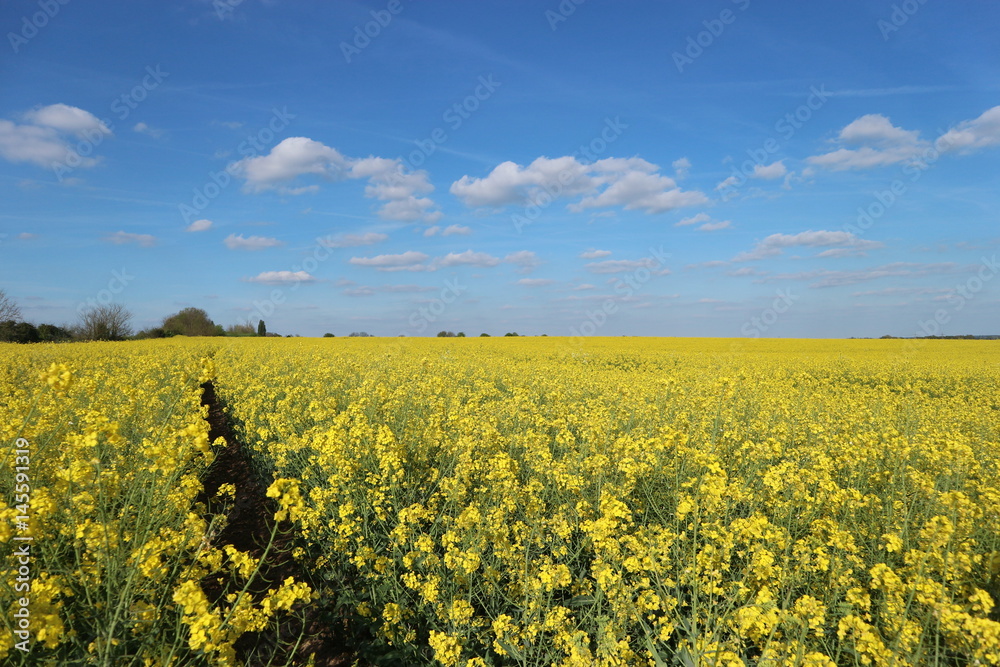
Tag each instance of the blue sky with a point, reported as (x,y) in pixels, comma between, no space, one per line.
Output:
(730,168)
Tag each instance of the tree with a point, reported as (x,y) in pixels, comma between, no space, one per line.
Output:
(153,332)
(50,333)
(511,333)
(446,334)
(8,308)
(460,334)
(328,335)
(261,329)
(108,322)
(484,335)
(241,329)
(190,322)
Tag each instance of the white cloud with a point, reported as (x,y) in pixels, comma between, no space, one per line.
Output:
(410,260)
(237,242)
(526,260)
(281,277)
(972,135)
(27,236)
(123,238)
(681,167)
(71,120)
(388,180)
(595,254)
(774,244)
(880,143)
(199,226)
(747,271)
(730,181)
(715,226)
(467,258)
(291,158)
(46,142)
(694,220)
(534,282)
(584,286)
(636,190)
(353,240)
(143,128)
(771,171)
(450,230)
(628,182)
(619,265)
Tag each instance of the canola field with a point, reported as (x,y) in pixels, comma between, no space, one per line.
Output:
(515,501)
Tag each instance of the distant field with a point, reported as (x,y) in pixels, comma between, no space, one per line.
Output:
(502,501)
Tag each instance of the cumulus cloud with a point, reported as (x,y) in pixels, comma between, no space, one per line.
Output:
(450,230)
(469,258)
(525,260)
(281,277)
(199,226)
(878,143)
(124,238)
(704,222)
(715,226)
(353,240)
(387,179)
(595,254)
(774,244)
(71,120)
(410,260)
(619,265)
(771,171)
(413,260)
(237,242)
(728,182)
(50,137)
(693,220)
(681,167)
(143,128)
(972,135)
(632,183)
(534,282)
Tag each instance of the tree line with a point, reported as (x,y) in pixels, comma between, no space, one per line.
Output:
(113,322)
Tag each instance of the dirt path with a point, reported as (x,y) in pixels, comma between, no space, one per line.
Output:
(250,521)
